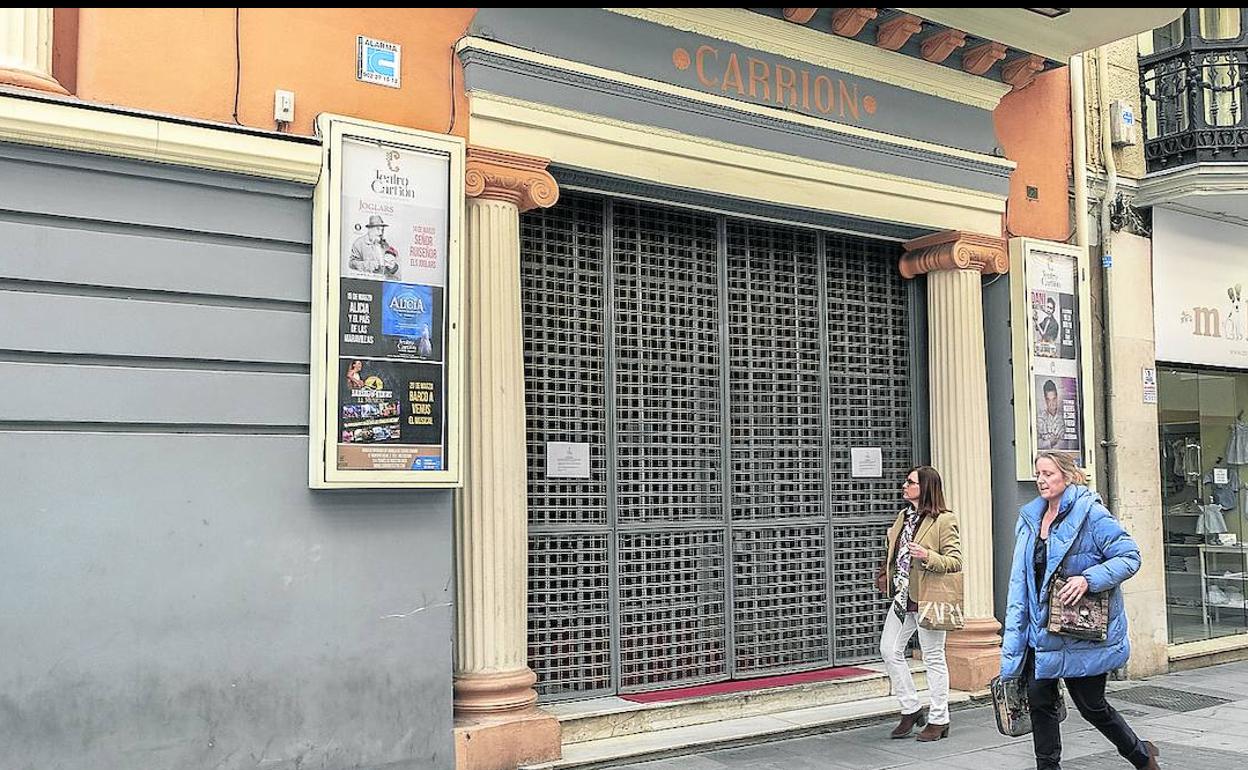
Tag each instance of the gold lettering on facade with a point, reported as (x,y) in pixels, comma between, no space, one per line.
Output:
(770,82)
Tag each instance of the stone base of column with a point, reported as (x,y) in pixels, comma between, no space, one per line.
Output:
(505,741)
(35,81)
(494,692)
(974,654)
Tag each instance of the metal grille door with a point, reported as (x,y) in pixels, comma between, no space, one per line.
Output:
(719,370)
(570,614)
(779,524)
(669,509)
(869,404)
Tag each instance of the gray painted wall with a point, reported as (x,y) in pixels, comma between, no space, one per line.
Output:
(1008,493)
(174,595)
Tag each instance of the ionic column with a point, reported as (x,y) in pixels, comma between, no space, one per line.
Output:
(953,262)
(26,49)
(497,725)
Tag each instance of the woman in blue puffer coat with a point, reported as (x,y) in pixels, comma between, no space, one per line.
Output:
(1067,528)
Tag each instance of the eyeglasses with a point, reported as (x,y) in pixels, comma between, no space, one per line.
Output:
(909,483)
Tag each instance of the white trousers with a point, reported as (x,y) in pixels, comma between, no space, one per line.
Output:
(893,648)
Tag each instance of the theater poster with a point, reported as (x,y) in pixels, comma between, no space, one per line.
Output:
(386,373)
(1049,298)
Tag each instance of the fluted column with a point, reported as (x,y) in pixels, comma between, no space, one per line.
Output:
(957,382)
(26,49)
(496,726)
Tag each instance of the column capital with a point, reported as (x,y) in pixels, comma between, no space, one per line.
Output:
(954,250)
(509,176)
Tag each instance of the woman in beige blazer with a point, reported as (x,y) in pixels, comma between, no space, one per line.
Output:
(923,539)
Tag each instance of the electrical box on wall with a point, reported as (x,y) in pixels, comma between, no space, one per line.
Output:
(1121,123)
(283,106)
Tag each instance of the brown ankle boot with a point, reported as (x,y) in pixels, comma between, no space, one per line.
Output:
(933,733)
(908,722)
(1153,753)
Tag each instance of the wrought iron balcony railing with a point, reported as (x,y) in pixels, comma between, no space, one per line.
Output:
(1194,98)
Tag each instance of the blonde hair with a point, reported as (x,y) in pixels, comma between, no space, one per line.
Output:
(1065,463)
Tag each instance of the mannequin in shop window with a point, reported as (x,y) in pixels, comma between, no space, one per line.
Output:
(1222,485)
(1237,442)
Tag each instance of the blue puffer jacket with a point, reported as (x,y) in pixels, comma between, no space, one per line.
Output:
(1094,545)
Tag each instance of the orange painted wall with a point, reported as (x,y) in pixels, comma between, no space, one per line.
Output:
(183,62)
(1033,126)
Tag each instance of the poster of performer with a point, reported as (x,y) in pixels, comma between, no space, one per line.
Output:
(394,214)
(1057,413)
(1056,395)
(1046,330)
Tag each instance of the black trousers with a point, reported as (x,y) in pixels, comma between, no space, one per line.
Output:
(1088,693)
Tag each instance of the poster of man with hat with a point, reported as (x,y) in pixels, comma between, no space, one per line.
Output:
(371,254)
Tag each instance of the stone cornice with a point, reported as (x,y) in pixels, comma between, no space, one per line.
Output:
(954,250)
(512,177)
(1187,184)
(49,121)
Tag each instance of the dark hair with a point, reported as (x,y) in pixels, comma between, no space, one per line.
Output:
(1049,387)
(931,491)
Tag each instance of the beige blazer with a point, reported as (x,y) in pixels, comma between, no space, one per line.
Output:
(939,536)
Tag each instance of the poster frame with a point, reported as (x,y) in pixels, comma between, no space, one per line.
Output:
(326,336)
(1023,257)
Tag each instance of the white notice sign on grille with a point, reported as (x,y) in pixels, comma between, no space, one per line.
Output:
(567,460)
(866,462)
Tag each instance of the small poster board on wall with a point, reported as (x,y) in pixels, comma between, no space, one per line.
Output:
(1052,355)
(386,355)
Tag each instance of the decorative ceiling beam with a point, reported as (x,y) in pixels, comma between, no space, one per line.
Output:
(848,22)
(937,47)
(891,35)
(799,15)
(1021,70)
(980,59)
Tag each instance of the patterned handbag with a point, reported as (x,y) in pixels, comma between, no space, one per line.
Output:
(1087,618)
(1013,711)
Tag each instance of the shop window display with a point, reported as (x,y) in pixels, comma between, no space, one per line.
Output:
(1204,454)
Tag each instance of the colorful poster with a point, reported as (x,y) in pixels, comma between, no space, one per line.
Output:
(391,320)
(1057,413)
(1054,335)
(390,406)
(386,303)
(1046,330)
(394,214)
(391,301)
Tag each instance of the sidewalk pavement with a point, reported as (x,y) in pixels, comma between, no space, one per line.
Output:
(1199,720)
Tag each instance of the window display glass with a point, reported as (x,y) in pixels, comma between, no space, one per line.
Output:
(1204,453)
